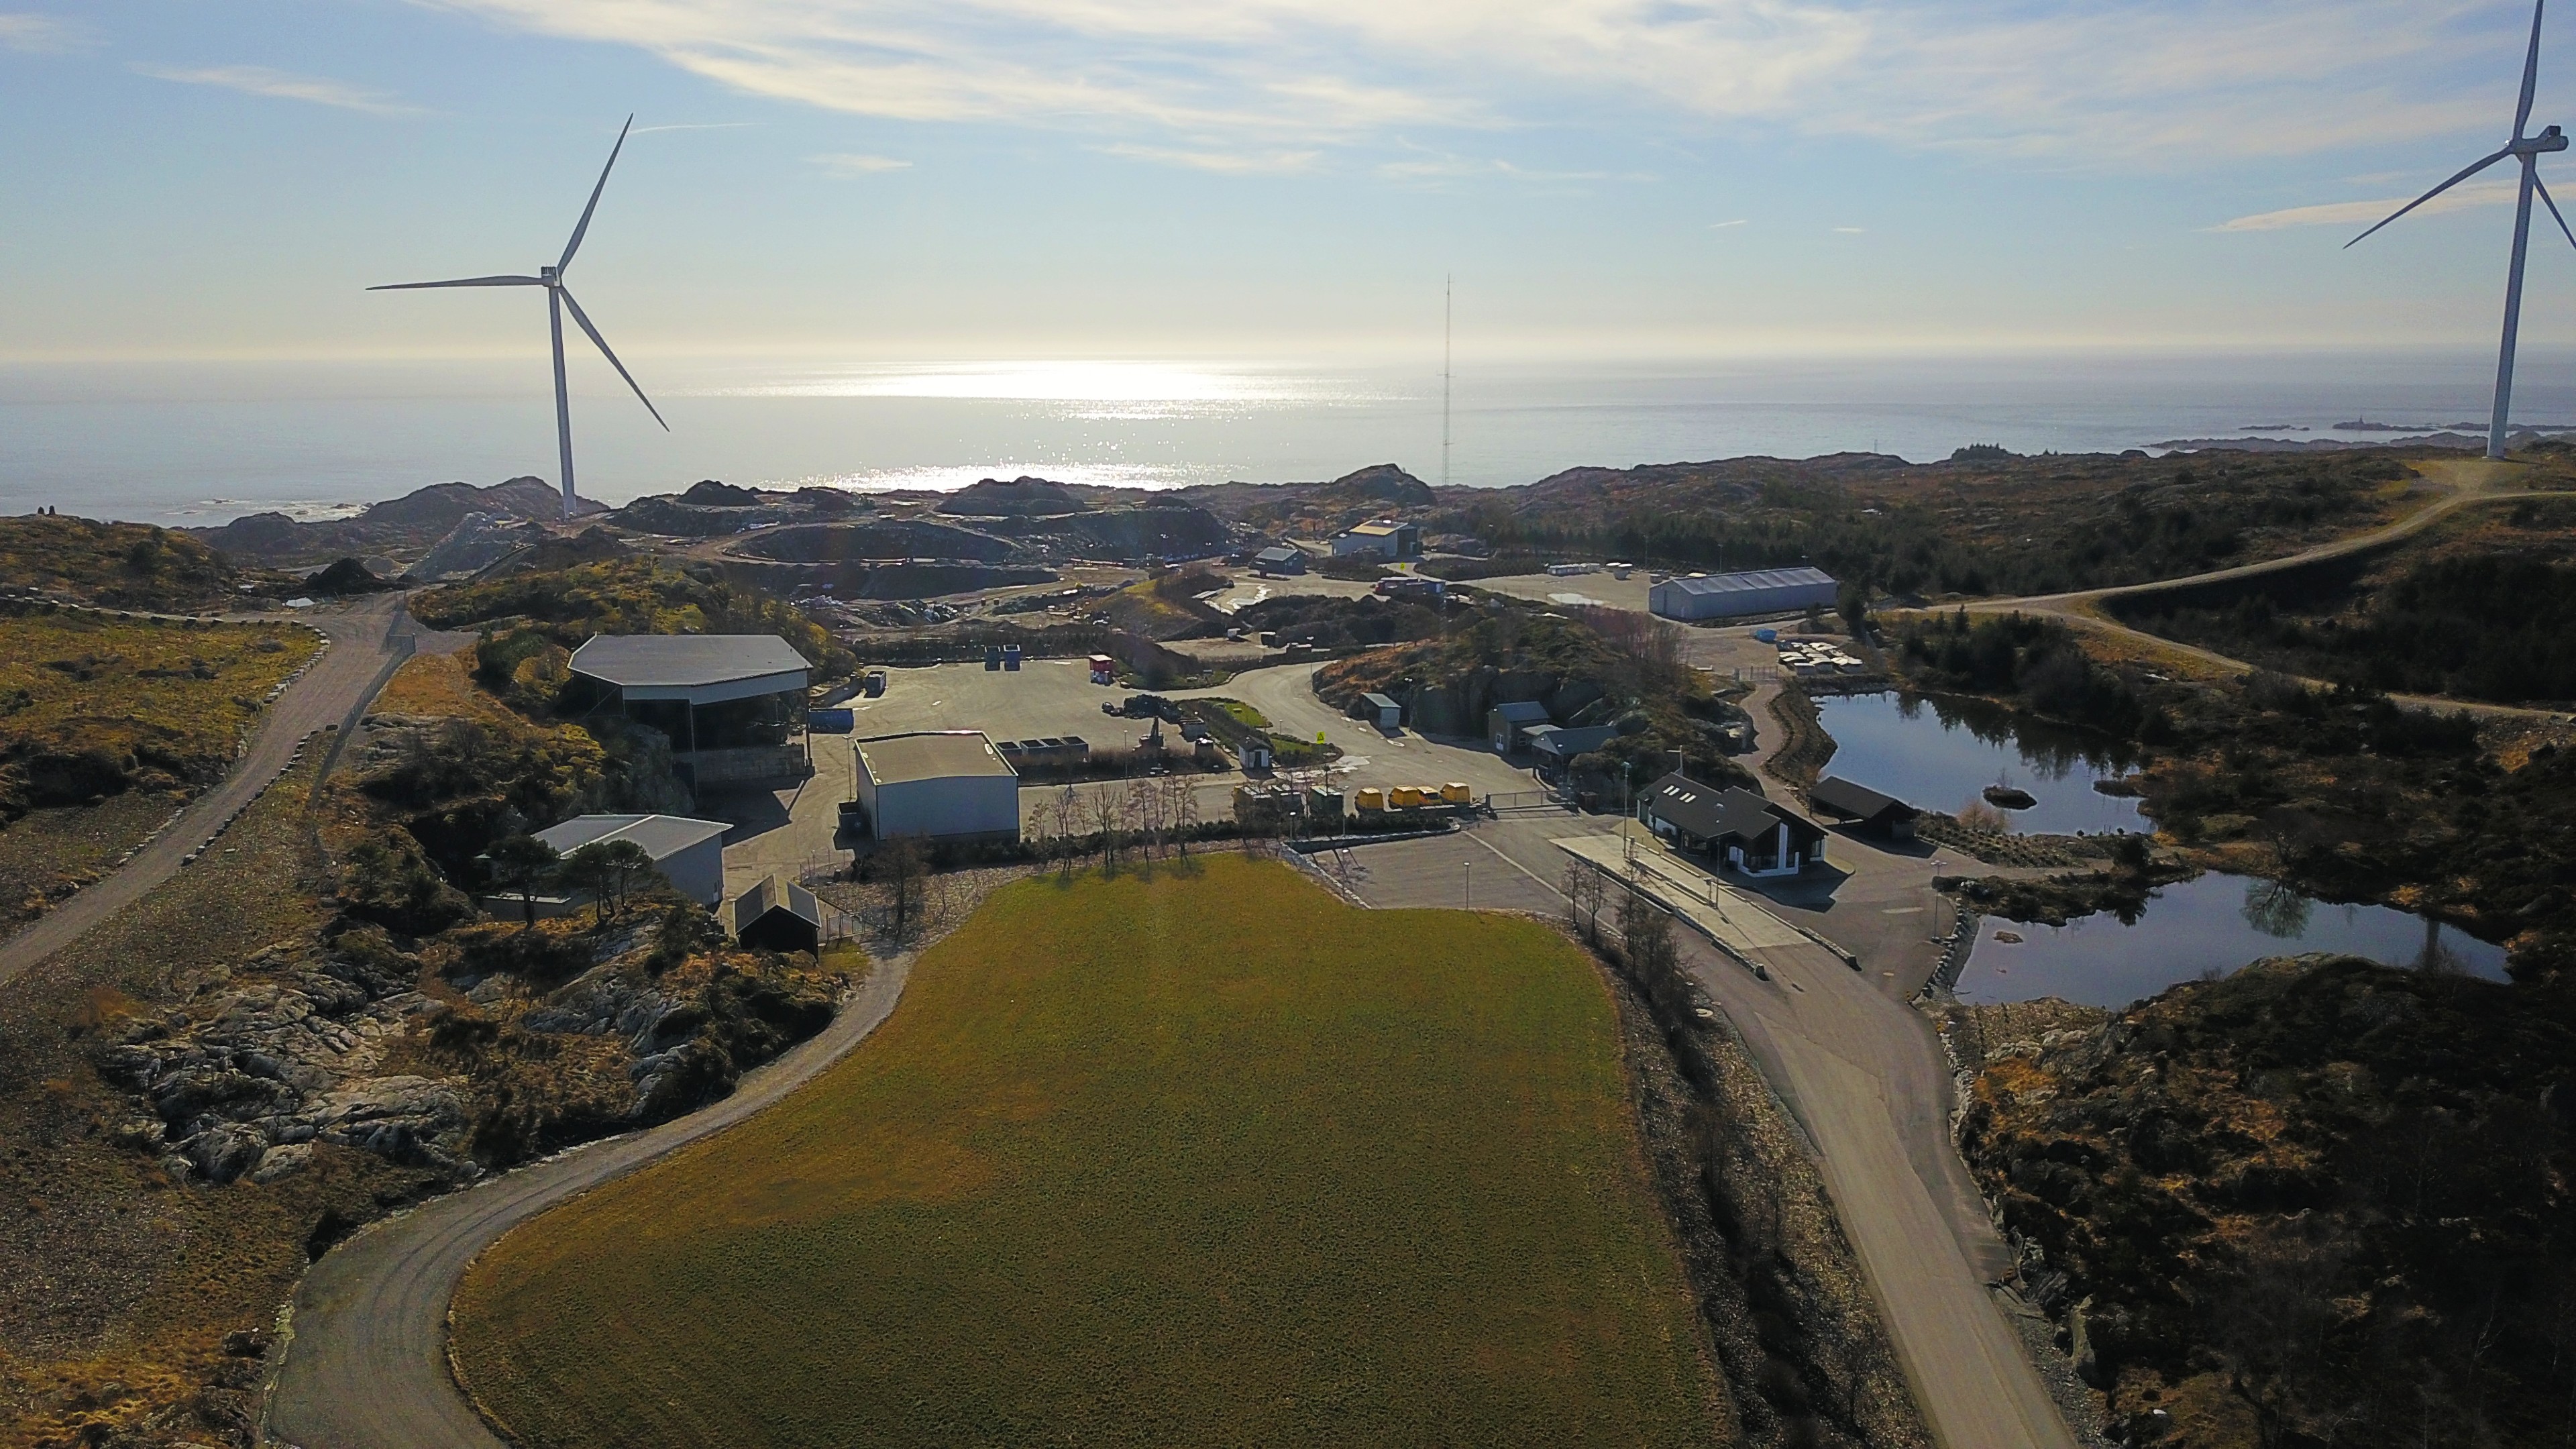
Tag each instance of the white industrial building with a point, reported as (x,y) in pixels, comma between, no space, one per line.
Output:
(1737,596)
(690,853)
(948,785)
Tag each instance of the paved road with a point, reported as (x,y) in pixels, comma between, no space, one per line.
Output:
(1861,1070)
(366,1366)
(367,641)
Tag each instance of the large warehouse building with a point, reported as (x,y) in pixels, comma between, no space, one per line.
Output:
(733,705)
(1737,596)
(949,785)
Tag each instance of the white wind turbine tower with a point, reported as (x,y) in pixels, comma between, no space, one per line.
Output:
(559,298)
(2529,150)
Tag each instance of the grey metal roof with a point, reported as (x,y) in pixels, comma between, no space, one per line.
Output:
(775,893)
(1844,797)
(899,759)
(1521,711)
(662,836)
(1754,579)
(1569,742)
(1380,701)
(684,661)
(1284,553)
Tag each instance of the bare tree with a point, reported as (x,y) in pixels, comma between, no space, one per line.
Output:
(1107,816)
(1067,809)
(902,865)
(1182,809)
(1144,809)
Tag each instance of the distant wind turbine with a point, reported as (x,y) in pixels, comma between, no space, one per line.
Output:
(559,298)
(2529,150)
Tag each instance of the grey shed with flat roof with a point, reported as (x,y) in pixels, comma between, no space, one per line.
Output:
(943,785)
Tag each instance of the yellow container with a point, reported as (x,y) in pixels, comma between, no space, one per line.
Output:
(1371,800)
(1404,797)
(1456,793)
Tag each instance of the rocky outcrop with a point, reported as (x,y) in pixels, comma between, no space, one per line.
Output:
(1023,496)
(280,1062)
(417,520)
(477,542)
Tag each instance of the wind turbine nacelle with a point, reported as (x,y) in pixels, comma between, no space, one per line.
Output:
(2551,139)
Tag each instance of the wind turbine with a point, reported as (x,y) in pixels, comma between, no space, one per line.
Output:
(2529,150)
(559,298)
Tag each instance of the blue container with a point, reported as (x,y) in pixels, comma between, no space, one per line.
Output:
(831,721)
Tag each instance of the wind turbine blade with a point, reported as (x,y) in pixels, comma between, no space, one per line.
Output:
(2472,169)
(463,282)
(2530,72)
(577,315)
(584,226)
(2553,209)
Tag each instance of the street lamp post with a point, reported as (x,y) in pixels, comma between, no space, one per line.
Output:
(1471,883)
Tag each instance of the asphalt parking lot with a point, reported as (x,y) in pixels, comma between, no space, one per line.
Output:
(1041,699)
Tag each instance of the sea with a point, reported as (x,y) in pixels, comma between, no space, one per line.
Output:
(196,442)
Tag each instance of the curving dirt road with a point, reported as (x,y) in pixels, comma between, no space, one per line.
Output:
(368,642)
(365,1364)
(2470,481)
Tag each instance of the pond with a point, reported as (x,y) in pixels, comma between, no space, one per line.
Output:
(1938,752)
(2217,922)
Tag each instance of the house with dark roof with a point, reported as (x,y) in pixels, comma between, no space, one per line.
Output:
(777,914)
(1741,829)
(1864,807)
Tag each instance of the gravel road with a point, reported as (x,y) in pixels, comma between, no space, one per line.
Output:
(368,641)
(365,1365)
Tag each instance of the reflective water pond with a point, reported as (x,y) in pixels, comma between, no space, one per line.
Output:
(1937,752)
(2218,923)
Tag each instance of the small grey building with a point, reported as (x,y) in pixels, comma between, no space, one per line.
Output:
(1284,559)
(1508,725)
(1558,747)
(1382,711)
(689,853)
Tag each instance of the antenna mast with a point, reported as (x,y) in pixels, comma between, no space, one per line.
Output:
(1448,311)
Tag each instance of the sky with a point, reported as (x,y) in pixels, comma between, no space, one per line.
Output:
(892,179)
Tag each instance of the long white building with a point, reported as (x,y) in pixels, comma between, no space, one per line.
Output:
(1737,596)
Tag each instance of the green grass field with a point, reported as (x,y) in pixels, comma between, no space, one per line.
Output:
(1207,1160)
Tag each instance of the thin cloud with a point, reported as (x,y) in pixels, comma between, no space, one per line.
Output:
(37,34)
(1850,230)
(259,80)
(2363,213)
(1225,163)
(1723,225)
(1450,167)
(2153,84)
(853,163)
